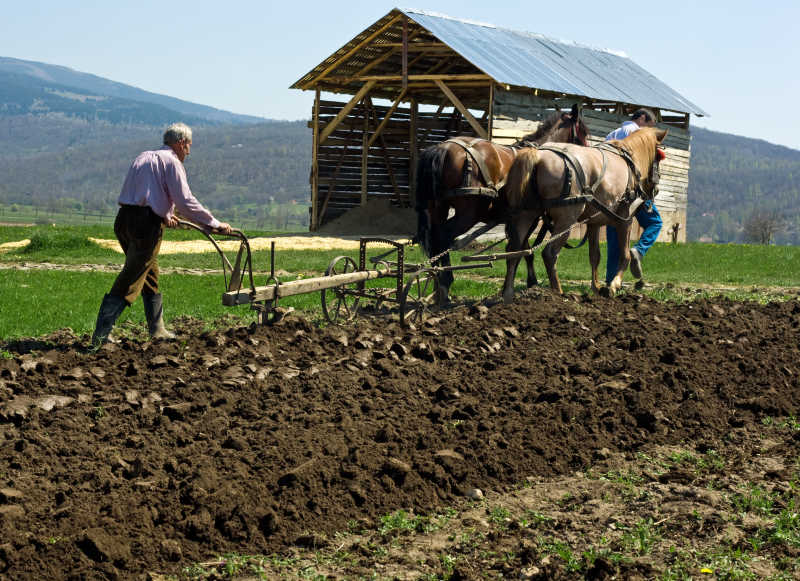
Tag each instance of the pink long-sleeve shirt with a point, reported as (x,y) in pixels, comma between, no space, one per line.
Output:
(158,179)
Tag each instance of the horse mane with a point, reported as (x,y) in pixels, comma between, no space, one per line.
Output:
(641,144)
(545,127)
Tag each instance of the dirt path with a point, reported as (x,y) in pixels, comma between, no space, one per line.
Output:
(153,456)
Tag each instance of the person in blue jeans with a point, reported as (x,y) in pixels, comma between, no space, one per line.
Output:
(647,215)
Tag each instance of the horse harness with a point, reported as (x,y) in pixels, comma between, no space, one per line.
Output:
(474,156)
(587,196)
(572,165)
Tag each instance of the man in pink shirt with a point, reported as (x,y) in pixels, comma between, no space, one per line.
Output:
(154,189)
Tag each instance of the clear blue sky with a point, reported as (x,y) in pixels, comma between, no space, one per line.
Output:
(736,59)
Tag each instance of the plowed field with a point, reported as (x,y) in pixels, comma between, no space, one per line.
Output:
(148,457)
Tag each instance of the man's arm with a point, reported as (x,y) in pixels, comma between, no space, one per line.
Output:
(185,202)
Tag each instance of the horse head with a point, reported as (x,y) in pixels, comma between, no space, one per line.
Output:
(578,130)
(644,147)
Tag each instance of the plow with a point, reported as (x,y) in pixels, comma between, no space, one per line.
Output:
(403,288)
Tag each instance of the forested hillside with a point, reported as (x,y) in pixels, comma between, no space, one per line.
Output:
(228,165)
(732,178)
(67,139)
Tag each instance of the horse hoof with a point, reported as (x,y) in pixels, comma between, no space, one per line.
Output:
(604,292)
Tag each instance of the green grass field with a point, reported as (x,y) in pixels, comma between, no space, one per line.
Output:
(36,302)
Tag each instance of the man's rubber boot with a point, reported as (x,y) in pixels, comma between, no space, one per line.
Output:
(636,263)
(154,313)
(110,310)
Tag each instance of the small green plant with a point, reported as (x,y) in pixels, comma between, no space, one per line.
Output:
(627,478)
(98,412)
(791,423)
(533,518)
(499,515)
(402,521)
(572,562)
(642,537)
(755,500)
(6,354)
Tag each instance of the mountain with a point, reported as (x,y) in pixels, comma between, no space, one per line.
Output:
(229,165)
(731,178)
(39,87)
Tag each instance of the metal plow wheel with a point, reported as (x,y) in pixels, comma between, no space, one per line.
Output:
(418,297)
(340,303)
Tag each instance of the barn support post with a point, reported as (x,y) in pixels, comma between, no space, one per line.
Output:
(405,53)
(314,224)
(413,154)
(490,110)
(364,153)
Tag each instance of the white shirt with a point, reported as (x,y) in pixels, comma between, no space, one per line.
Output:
(621,133)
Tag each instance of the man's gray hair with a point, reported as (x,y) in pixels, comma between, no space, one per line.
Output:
(176,132)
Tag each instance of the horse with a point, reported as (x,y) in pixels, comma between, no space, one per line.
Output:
(466,174)
(567,184)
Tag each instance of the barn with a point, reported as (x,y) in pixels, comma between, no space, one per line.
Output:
(415,78)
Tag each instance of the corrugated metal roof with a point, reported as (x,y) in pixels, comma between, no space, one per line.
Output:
(511,57)
(531,60)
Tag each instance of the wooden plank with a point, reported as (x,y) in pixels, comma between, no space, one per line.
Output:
(490,111)
(364,157)
(382,58)
(386,118)
(314,224)
(414,152)
(297,287)
(404,64)
(345,110)
(353,50)
(332,183)
(383,150)
(480,131)
(416,45)
(387,78)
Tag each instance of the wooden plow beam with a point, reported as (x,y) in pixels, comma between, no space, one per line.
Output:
(299,287)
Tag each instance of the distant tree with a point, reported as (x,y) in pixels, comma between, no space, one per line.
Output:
(762,225)
(725,229)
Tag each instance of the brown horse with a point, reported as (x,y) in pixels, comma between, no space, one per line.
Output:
(466,174)
(568,184)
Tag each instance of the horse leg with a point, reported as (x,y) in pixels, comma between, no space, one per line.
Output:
(562,220)
(516,228)
(532,281)
(437,233)
(464,218)
(623,239)
(593,235)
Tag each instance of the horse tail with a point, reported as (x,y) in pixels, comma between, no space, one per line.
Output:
(429,174)
(521,181)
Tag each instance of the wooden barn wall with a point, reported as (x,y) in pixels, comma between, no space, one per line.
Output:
(517,114)
(389,157)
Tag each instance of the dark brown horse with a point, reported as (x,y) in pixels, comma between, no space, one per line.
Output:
(570,184)
(466,175)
